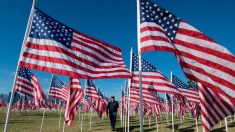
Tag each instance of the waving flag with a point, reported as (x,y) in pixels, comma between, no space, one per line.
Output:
(75,96)
(152,81)
(189,93)
(201,58)
(58,89)
(54,47)
(28,84)
(96,99)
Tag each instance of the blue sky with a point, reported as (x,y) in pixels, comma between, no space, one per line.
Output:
(113,21)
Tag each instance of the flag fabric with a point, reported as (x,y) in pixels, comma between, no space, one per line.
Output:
(96,96)
(201,58)
(75,96)
(58,89)
(28,84)
(54,47)
(168,103)
(152,81)
(213,109)
(189,93)
(91,90)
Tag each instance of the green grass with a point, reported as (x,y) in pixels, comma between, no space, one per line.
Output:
(30,122)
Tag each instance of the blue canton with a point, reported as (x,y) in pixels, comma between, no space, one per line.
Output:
(89,83)
(25,73)
(150,12)
(46,27)
(146,66)
(56,83)
(178,83)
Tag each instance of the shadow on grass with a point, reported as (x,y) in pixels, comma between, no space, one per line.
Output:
(17,121)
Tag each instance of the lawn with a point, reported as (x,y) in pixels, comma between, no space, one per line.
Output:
(30,121)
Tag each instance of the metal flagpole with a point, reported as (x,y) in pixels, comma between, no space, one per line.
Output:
(121,107)
(129,88)
(125,109)
(81,122)
(196,125)
(172,109)
(17,68)
(156,119)
(64,126)
(226,124)
(140,66)
(45,108)
(60,117)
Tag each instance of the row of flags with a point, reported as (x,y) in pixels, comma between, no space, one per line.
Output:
(201,58)
(56,48)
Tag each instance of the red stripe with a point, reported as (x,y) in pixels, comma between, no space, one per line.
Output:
(155,47)
(100,43)
(151,28)
(195,34)
(156,38)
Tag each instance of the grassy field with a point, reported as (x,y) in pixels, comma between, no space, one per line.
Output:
(29,122)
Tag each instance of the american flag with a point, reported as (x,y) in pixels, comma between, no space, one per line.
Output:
(75,96)
(152,81)
(168,103)
(213,109)
(201,58)
(54,47)
(96,99)
(28,84)
(91,90)
(58,89)
(189,93)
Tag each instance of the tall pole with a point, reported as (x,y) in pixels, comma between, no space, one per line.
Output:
(17,68)
(226,124)
(45,108)
(121,106)
(140,66)
(129,89)
(172,109)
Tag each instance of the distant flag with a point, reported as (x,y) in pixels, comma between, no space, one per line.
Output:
(54,47)
(201,58)
(28,84)
(91,90)
(96,98)
(168,103)
(75,96)
(58,89)
(152,80)
(189,93)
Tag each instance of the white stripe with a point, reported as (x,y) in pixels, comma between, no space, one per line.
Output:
(206,56)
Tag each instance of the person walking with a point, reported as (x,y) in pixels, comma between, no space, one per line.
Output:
(112,109)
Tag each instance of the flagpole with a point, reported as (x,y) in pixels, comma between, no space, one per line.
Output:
(226,124)
(121,107)
(196,125)
(17,68)
(156,119)
(140,66)
(60,117)
(172,109)
(45,108)
(129,88)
